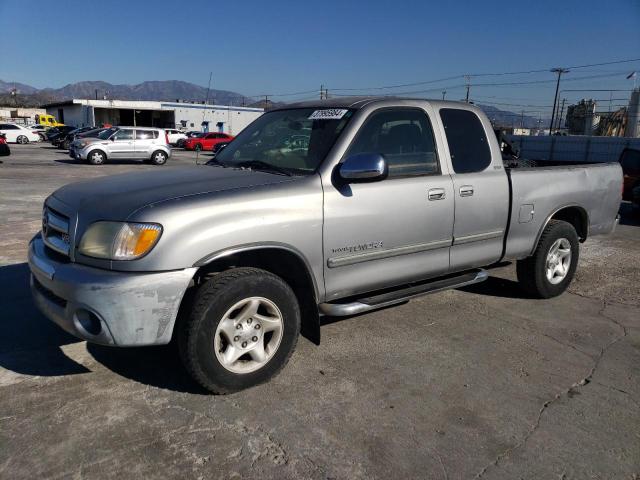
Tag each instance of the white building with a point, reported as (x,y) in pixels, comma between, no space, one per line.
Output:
(184,116)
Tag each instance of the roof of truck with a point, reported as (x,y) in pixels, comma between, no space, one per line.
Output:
(360,102)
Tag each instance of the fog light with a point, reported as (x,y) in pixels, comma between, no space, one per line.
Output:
(89,321)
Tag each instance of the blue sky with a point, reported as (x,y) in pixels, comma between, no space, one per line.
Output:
(294,46)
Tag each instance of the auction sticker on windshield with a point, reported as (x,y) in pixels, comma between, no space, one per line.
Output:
(331,114)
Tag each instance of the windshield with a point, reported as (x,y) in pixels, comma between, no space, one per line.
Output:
(296,140)
(104,135)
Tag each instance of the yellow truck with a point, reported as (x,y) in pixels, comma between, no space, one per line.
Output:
(48,121)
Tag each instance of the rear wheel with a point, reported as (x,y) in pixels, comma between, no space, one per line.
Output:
(158,157)
(97,157)
(22,140)
(242,329)
(549,271)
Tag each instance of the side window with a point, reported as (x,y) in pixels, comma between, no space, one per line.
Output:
(124,135)
(404,137)
(145,134)
(467,140)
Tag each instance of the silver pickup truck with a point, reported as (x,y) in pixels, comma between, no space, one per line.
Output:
(325,208)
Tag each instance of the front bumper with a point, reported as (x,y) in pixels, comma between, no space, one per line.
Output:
(76,154)
(103,306)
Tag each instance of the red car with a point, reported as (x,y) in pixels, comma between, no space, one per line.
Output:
(206,141)
(4,148)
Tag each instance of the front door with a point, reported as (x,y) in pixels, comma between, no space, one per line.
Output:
(122,144)
(396,230)
(481,191)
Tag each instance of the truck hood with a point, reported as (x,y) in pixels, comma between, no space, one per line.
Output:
(116,197)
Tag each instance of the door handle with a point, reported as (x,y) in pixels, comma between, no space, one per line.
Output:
(466,190)
(436,194)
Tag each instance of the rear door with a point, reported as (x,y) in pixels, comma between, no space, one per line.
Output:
(145,142)
(122,144)
(481,190)
(396,230)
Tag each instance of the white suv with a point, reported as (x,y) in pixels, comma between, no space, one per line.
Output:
(146,143)
(18,134)
(174,135)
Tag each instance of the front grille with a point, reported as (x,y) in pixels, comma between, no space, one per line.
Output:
(48,294)
(56,231)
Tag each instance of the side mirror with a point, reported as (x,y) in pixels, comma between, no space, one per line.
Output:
(364,167)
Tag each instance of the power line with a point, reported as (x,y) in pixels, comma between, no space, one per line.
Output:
(467,83)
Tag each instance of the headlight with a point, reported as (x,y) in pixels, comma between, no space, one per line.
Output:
(82,144)
(119,240)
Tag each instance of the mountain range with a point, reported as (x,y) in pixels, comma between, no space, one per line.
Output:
(167,90)
(172,90)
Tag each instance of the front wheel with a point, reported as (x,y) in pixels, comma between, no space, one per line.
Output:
(549,271)
(242,329)
(97,157)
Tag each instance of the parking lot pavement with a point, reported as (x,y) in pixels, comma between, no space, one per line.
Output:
(474,383)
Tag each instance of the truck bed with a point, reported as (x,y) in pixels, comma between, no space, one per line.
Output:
(538,189)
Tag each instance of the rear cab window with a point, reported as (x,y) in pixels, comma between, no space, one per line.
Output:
(467,140)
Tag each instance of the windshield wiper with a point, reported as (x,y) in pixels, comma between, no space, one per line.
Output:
(260,165)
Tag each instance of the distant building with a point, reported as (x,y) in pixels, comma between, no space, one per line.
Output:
(184,116)
(23,116)
(581,118)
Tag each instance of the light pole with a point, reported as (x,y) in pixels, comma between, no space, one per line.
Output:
(559,71)
(444,92)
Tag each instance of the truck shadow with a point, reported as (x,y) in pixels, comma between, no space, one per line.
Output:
(30,343)
(158,366)
(629,215)
(497,287)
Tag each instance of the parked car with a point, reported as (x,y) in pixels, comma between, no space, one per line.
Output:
(189,134)
(93,133)
(217,147)
(174,135)
(39,129)
(390,199)
(207,141)
(630,161)
(60,132)
(146,143)
(63,141)
(15,133)
(4,147)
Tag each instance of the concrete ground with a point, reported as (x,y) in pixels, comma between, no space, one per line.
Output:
(479,383)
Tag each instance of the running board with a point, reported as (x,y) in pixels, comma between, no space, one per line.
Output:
(401,294)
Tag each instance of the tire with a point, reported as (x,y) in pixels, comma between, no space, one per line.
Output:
(97,157)
(212,357)
(545,274)
(158,157)
(198,147)
(22,140)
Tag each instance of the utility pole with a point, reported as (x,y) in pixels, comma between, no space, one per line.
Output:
(522,119)
(467,79)
(321,92)
(444,92)
(559,71)
(266,102)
